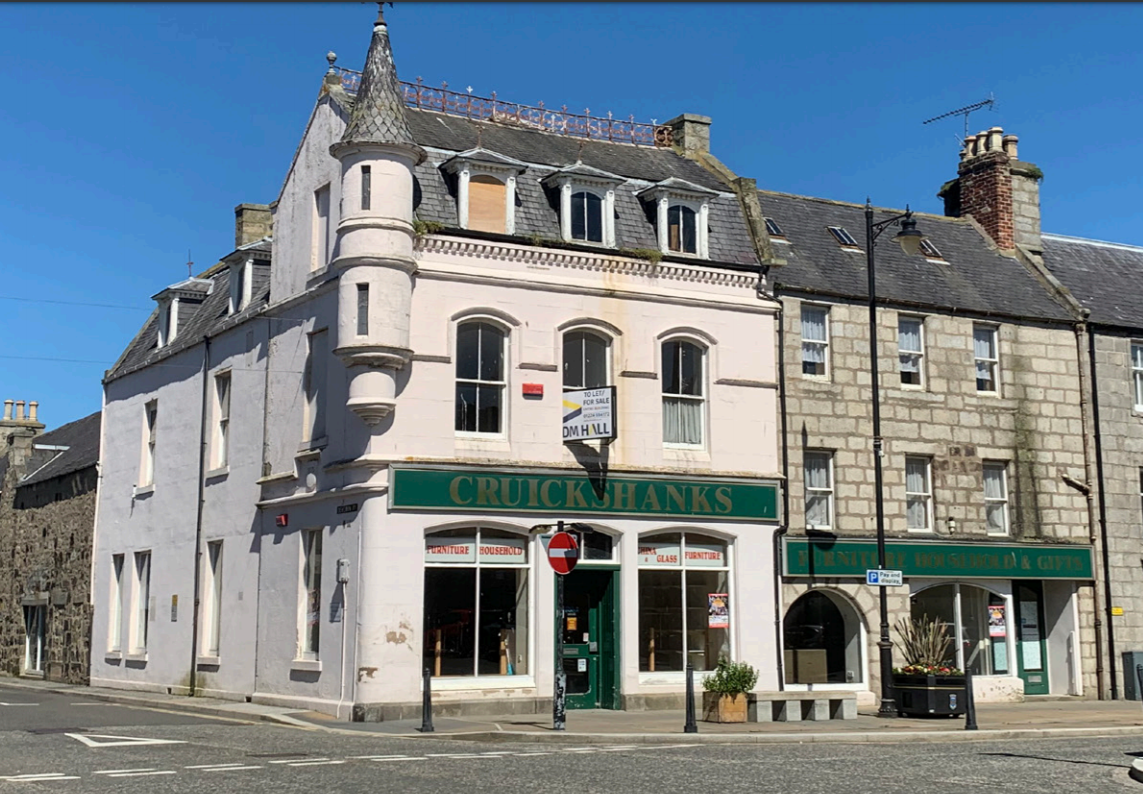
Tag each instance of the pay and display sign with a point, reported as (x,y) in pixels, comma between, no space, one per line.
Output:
(881,578)
(589,414)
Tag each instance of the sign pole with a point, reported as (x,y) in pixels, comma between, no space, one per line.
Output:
(560,689)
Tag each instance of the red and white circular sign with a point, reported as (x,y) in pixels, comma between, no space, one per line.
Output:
(563,552)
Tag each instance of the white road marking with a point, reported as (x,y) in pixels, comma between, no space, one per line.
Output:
(231,768)
(210,766)
(145,774)
(118,741)
(457,755)
(37,777)
(317,763)
(296,760)
(372,757)
(88,703)
(18,704)
(500,752)
(120,771)
(527,754)
(403,758)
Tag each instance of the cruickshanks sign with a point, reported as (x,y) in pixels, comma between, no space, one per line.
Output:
(570,493)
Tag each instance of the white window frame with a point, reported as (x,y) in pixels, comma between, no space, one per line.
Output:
(211,638)
(678,676)
(704,363)
(927,494)
(608,344)
(1137,373)
(993,362)
(828,491)
(918,354)
(240,288)
(476,681)
(824,344)
(116,604)
(606,194)
(141,601)
(1002,501)
(321,227)
(502,384)
(222,408)
(150,440)
(307,548)
(168,321)
(466,169)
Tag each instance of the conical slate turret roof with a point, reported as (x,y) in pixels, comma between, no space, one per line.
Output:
(379,108)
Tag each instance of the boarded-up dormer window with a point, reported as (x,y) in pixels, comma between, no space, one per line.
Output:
(487,204)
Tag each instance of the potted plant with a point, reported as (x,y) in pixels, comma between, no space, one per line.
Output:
(929,684)
(725,698)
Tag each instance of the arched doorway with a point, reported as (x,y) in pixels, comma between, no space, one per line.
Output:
(822,639)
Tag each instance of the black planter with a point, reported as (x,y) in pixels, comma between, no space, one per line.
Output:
(929,695)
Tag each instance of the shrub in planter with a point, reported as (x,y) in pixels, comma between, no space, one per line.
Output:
(929,684)
(725,698)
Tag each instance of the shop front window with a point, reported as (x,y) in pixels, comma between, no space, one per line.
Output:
(476,603)
(684,602)
(822,639)
(975,620)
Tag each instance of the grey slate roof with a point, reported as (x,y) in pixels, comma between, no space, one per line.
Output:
(537,209)
(976,279)
(1106,278)
(197,320)
(81,438)
(379,114)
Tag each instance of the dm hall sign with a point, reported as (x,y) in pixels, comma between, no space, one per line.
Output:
(573,493)
(933,559)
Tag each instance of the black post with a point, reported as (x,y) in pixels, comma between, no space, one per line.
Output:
(560,690)
(969,702)
(888,706)
(427,703)
(690,726)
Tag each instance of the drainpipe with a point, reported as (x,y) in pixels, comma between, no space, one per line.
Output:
(1105,554)
(202,436)
(785,525)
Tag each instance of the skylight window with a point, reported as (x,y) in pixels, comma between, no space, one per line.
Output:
(842,236)
(930,251)
(774,229)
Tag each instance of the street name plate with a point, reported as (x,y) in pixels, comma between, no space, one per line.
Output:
(880,578)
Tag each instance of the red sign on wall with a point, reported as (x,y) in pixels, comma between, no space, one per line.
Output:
(563,552)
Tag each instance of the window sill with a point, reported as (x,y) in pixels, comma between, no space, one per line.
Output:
(31,673)
(138,656)
(313,445)
(682,452)
(489,443)
(279,477)
(207,661)
(113,656)
(456,683)
(219,473)
(665,678)
(143,490)
(824,380)
(306,665)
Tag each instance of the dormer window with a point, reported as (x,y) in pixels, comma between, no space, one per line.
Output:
(192,292)
(587,203)
(682,212)
(239,286)
(168,321)
(486,190)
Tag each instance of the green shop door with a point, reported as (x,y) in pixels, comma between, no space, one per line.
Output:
(590,647)
(1030,650)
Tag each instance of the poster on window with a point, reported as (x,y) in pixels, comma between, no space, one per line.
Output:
(656,554)
(700,555)
(996,626)
(718,610)
(503,551)
(450,550)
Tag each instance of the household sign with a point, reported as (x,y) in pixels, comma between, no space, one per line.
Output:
(563,553)
(880,578)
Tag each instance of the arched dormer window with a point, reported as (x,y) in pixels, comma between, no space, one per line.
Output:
(486,190)
(587,203)
(682,211)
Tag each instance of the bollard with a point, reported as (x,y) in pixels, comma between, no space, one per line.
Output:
(969,702)
(690,726)
(427,704)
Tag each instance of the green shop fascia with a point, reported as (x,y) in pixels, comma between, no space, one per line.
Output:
(836,558)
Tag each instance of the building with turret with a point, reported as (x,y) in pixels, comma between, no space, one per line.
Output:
(332,461)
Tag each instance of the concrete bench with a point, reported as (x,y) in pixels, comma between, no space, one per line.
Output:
(798,706)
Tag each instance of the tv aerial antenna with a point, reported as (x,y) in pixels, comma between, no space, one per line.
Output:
(989,103)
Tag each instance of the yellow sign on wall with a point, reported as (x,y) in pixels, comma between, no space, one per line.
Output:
(1117,611)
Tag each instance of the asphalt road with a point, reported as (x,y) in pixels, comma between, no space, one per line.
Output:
(40,751)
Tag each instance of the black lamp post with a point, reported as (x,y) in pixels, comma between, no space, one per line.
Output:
(910,240)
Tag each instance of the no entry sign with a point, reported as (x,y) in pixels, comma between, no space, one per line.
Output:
(563,552)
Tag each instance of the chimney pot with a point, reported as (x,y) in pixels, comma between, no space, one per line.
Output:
(994,136)
(19,411)
(33,408)
(1010,146)
(8,410)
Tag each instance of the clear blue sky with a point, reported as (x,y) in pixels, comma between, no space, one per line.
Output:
(131,131)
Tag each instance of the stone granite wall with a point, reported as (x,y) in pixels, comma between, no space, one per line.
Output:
(1034,425)
(45,548)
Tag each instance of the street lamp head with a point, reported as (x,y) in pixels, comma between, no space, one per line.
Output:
(909,237)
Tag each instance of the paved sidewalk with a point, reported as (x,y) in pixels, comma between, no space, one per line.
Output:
(1035,718)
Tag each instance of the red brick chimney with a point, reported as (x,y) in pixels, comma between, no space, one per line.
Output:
(1001,193)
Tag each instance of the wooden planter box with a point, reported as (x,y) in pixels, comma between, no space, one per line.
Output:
(929,695)
(724,708)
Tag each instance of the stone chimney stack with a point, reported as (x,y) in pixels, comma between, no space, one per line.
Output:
(997,190)
(690,133)
(17,431)
(252,222)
